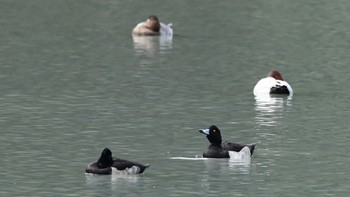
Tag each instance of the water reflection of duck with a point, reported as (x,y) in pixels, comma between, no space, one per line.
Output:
(270,108)
(272,84)
(152,27)
(149,45)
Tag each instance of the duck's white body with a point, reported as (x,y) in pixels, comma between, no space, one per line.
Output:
(134,170)
(165,29)
(264,86)
(242,155)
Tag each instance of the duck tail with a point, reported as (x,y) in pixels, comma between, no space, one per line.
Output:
(144,167)
(251,147)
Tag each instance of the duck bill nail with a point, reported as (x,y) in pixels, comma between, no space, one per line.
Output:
(204,131)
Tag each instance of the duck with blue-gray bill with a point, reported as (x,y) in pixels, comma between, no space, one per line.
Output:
(219,148)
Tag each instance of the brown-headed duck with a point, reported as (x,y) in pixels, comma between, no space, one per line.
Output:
(152,27)
(272,84)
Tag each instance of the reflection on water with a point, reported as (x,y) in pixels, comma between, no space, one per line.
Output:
(269,109)
(240,166)
(93,179)
(240,163)
(150,45)
(124,177)
(218,171)
(109,184)
(227,166)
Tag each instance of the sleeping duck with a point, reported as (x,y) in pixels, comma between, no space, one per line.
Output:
(219,148)
(152,27)
(106,162)
(272,84)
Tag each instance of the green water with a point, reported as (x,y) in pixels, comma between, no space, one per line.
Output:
(73,81)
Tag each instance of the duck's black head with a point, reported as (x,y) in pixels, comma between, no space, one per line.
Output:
(213,134)
(105,159)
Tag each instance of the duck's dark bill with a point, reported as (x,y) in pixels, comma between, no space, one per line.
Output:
(204,131)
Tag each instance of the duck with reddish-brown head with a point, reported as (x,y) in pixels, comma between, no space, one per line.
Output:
(153,27)
(272,84)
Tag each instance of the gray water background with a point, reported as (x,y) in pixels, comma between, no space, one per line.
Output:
(73,81)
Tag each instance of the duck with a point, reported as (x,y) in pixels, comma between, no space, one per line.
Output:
(272,84)
(107,164)
(219,148)
(152,27)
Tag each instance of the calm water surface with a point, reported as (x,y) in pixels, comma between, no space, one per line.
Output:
(73,81)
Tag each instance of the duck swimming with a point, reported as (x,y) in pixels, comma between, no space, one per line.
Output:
(272,84)
(106,162)
(219,148)
(152,27)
